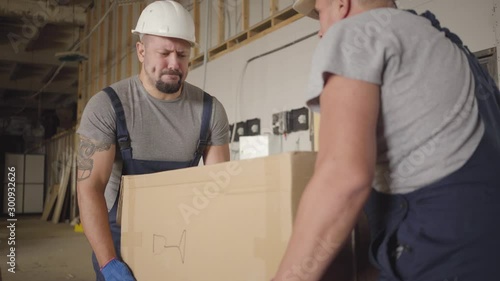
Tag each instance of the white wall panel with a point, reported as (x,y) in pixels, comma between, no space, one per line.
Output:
(270,84)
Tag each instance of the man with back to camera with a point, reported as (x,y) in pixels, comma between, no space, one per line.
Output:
(143,124)
(407,109)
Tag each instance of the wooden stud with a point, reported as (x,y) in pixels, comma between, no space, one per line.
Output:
(260,27)
(196,15)
(284,15)
(238,39)
(273,9)
(73,203)
(130,16)
(110,47)
(94,61)
(119,47)
(245,10)
(87,80)
(80,93)
(102,48)
(257,31)
(63,184)
(214,51)
(139,64)
(222,21)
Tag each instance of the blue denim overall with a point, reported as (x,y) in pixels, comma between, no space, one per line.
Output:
(133,166)
(449,230)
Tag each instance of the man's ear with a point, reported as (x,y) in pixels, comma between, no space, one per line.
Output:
(139,46)
(344,8)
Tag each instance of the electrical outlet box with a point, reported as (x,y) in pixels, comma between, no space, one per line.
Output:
(241,130)
(280,123)
(299,119)
(253,127)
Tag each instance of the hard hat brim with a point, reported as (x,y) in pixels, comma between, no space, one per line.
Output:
(193,43)
(306,8)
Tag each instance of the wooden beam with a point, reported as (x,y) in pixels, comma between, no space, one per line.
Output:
(257,31)
(196,15)
(30,44)
(245,10)
(94,64)
(273,9)
(142,6)
(28,85)
(11,105)
(8,54)
(119,46)
(43,12)
(102,47)
(73,198)
(111,47)
(222,21)
(130,19)
(49,74)
(80,103)
(14,71)
(63,183)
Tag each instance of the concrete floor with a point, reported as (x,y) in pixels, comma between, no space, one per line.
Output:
(45,252)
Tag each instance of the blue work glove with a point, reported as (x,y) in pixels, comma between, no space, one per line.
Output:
(116,270)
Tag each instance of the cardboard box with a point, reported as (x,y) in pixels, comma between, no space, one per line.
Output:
(229,221)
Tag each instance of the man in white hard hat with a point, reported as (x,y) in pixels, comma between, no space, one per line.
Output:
(143,124)
(406,109)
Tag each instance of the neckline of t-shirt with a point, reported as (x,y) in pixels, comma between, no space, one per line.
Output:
(151,98)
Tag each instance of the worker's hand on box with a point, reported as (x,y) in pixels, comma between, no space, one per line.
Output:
(116,270)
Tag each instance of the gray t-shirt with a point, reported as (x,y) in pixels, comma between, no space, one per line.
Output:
(159,130)
(428,125)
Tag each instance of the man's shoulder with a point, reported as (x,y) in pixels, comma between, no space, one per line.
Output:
(193,90)
(376,21)
(123,86)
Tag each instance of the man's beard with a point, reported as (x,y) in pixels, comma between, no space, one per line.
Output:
(169,88)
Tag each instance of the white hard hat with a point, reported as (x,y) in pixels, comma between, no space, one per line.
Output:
(306,7)
(167,19)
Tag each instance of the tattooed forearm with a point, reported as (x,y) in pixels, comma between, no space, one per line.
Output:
(86,151)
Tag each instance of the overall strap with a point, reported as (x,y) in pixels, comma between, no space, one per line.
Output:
(122,135)
(204,131)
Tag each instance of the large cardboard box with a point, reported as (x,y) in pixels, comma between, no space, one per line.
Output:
(229,221)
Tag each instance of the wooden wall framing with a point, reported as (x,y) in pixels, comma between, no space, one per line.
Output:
(275,21)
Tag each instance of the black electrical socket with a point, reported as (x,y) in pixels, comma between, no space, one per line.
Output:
(299,119)
(253,127)
(241,130)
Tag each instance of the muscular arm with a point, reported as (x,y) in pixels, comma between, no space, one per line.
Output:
(341,183)
(216,154)
(95,161)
